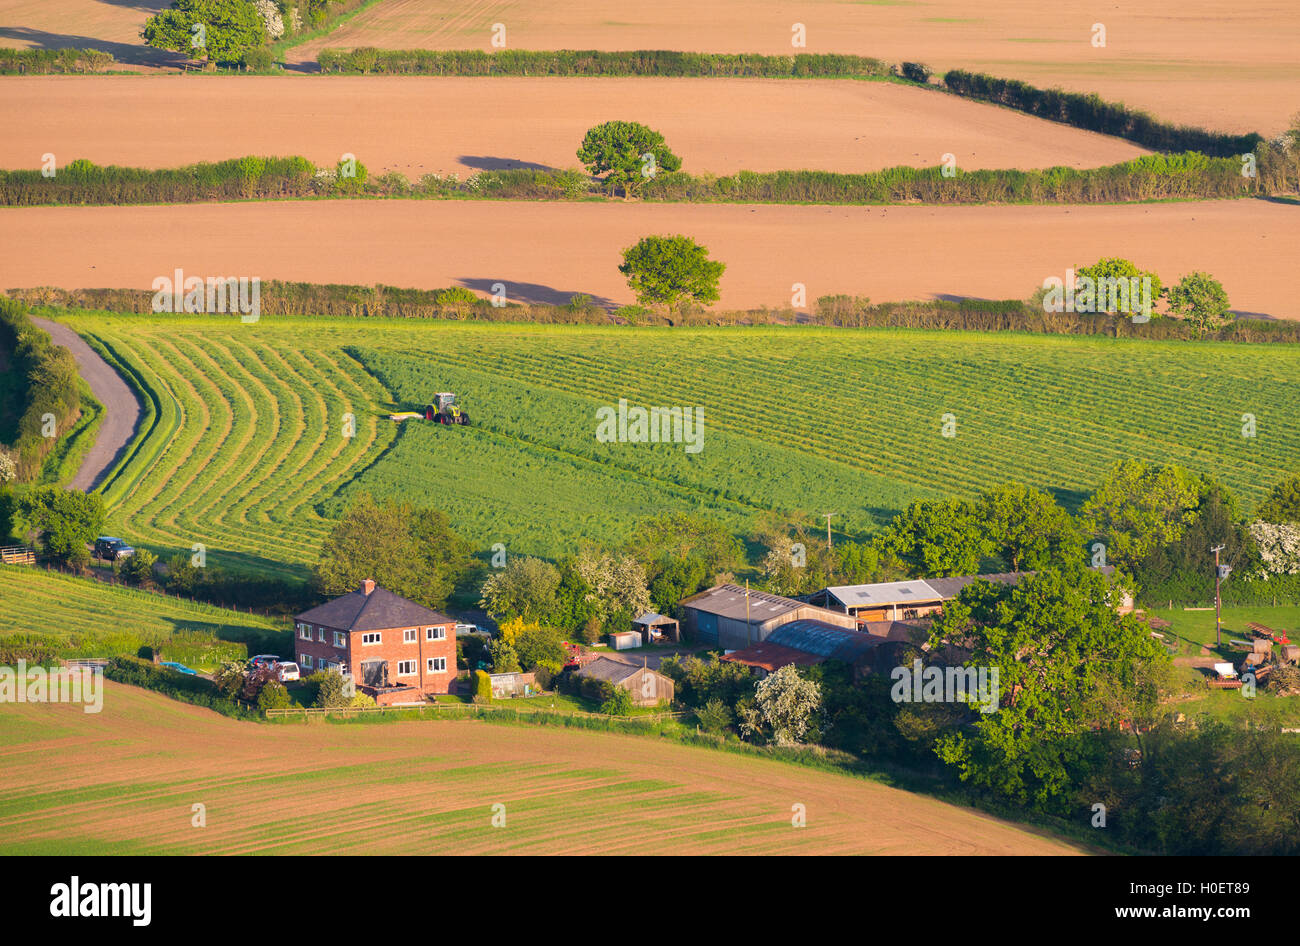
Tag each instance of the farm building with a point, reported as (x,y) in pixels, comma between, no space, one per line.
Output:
(648,687)
(732,617)
(397,651)
(655,628)
(808,642)
(915,598)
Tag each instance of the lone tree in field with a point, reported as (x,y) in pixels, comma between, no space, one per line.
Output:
(671,271)
(628,153)
(219,30)
(1200,300)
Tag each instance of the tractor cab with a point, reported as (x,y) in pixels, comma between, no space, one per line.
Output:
(445,410)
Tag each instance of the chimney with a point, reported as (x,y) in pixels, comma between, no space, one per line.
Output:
(367,586)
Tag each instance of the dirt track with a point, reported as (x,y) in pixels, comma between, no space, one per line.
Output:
(1226,66)
(429,787)
(121,409)
(546,252)
(417,125)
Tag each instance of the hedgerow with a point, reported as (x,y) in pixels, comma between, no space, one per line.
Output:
(49,388)
(53,61)
(1093,113)
(1185,176)
(592,62)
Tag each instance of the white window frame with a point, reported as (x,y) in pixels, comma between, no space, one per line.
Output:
(340,640)
(320,634)
(435,633)
(410,635)
(377,635)
(406,663)
(305,660)
(304,632)
(431,665)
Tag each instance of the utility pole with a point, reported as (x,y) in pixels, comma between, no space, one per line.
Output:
(827,517)
(1218,614)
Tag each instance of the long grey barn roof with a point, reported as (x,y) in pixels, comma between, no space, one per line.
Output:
(822,639)
(729,601)
(377,611)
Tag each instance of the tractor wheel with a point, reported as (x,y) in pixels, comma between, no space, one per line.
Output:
(441,418)
(464,418)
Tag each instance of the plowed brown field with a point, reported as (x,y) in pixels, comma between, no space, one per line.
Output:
(1231,67)
(548,251)
(126,780)
(417,125)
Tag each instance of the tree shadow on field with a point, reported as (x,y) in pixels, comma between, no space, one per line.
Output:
(137,54)
(1069,499)
(483,163)
(533,293)
(148,6)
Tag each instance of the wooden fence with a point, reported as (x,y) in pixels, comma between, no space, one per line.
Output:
(17,555)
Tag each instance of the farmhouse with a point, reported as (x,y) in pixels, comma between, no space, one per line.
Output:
(732,617)
(396,650)
(648,687)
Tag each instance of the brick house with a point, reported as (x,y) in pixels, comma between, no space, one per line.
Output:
(397,651)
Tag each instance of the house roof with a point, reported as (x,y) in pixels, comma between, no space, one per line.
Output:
(885,593)
(602,668)
(377,611)
(768,656)
(824,640)
(729,601)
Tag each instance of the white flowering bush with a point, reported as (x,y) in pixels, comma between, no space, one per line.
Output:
(1279,547)
(269,11)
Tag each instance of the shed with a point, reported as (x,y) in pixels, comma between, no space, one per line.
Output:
(648,687)
(512,684)
(655,627)
(624,640)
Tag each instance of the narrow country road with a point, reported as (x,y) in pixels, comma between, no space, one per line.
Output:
(121,409)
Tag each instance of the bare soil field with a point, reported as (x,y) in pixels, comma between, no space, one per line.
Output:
(418,125)
(111,25)
(1230,67)
(548,251)
(126,780)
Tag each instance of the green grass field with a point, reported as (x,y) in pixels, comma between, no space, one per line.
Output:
(81,617)
(245,452)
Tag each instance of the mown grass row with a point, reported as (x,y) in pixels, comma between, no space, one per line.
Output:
(1184,176)
(77,617)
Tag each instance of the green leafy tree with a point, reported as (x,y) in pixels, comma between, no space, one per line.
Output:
(229,677)
(273,696)
(671,271)
(938,538)
(220,30)
(1282,504)
(524,588)
(1200,300)
(410,551)
(619,703)
(503,657)
(1105,271)
(714,716)
(1052,639)
(138,568)
(540,646)
(1138,507)
(628,153)
(482,687)
(66,521)
(329,688)
(1027,528)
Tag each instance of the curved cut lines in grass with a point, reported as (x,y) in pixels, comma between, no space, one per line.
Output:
(251,441)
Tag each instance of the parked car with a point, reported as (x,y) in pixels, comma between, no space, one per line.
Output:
(463,629)
(109,548)
(287,670)
(264,660)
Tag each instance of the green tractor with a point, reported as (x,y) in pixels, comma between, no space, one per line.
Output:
(445,410)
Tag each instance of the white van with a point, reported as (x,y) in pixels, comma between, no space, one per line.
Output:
(287,670)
